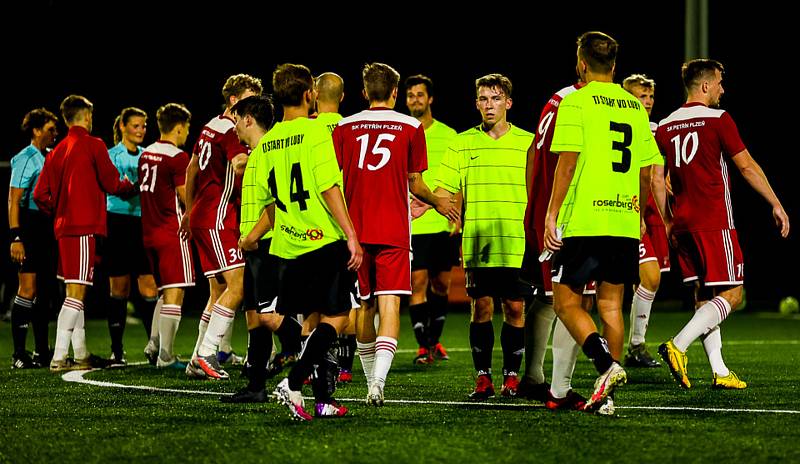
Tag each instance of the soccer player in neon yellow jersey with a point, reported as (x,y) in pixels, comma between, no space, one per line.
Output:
(595,216)
(313,236)
(487,165)
(435,241)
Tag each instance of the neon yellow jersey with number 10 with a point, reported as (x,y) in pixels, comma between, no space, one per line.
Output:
(299,164)
(610,130)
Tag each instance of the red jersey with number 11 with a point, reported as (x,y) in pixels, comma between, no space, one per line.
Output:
(376,150)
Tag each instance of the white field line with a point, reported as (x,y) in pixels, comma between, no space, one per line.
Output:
(77,377)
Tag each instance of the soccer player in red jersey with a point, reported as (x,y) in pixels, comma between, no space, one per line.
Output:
(653,249)
(72,185)
(162,174)
(698,139)
(217,164)
(382,154)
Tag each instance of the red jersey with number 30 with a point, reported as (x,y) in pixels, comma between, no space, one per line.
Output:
(214,203)
(696,141)
(376,150)
(162,168)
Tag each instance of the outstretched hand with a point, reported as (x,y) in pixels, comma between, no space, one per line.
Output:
(781,220)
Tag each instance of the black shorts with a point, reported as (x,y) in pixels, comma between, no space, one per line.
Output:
(435,252)
(498,282)
(260,279)
(123,249)
(317,281)
(605,259)
(41,252)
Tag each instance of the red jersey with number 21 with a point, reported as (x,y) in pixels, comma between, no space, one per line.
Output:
(376,150)
(162,168)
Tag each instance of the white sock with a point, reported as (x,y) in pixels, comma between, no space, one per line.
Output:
(366,353)
(221,319)
(712,343)
(154,325)
(168,322)
(541,316)
(225,343)
(201,331)
(79,338)
(67,317)
(384,355)
(640,314)
(565,353)
(704,320)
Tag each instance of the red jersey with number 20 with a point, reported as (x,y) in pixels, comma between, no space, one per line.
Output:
(162,168)
(214,203)
(376,150)
(696,141)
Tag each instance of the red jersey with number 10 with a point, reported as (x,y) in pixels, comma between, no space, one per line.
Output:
(696,141)
(162,168)
(376,150)
(214,202)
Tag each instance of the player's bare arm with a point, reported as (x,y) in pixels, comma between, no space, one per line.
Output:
(264,224)
(335,201)
(445,205)
(644,191)
(17,248)
(191,176)
(529,169)
(755,176)
(565,169)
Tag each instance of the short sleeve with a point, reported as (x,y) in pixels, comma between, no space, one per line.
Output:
(326,167)
(261,168)
(22,172)
(231,145)
(418,154)
(729,136)
(648,148)
(449,172)
(179,164)
(568,132)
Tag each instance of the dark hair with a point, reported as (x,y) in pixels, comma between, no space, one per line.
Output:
(694,71)
(290,82)
(494,80)
(259,107)
(36,119)
(237,84)
(123,118)
(330,87)
(420,79)
(638,79)
(73,105)
(170,115)
(598,50)
(379,81)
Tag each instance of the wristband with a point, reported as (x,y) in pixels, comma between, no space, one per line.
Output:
(15,233)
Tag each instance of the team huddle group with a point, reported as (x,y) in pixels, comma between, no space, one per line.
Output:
(317,224)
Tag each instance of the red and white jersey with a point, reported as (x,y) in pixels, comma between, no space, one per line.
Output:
(162,168)
(544,164)
(696,141)
(214,203)
(376,150)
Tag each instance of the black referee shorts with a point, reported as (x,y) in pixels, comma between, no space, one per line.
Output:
(123,249)
(41,250)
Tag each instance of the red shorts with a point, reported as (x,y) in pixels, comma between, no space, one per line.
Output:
(171,264)
(712,257)
(219,250)
(76,259)
(385,270)
(654,247)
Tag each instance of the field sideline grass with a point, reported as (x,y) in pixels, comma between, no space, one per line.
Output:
(45,419)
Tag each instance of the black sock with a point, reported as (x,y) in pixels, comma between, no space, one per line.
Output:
(596,348)
(319,342)
(20,317)
(117,315)
(437,311)
(258,350)
(40,319)
(346,351)
(512,339)
(419,322)
(145,307)
(289,335)
(323,380)
(481,339)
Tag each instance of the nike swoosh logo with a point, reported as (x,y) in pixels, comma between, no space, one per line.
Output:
(473,157)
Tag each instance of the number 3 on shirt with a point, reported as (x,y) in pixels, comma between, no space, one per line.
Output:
(627,137)
(296,192)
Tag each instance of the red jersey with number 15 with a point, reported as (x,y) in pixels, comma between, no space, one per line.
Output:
(214,203)
(162,168)
(376,150)
(696,141)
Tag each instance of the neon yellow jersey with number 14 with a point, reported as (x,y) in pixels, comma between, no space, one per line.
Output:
(437,139)
(299,165)
(610,130)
